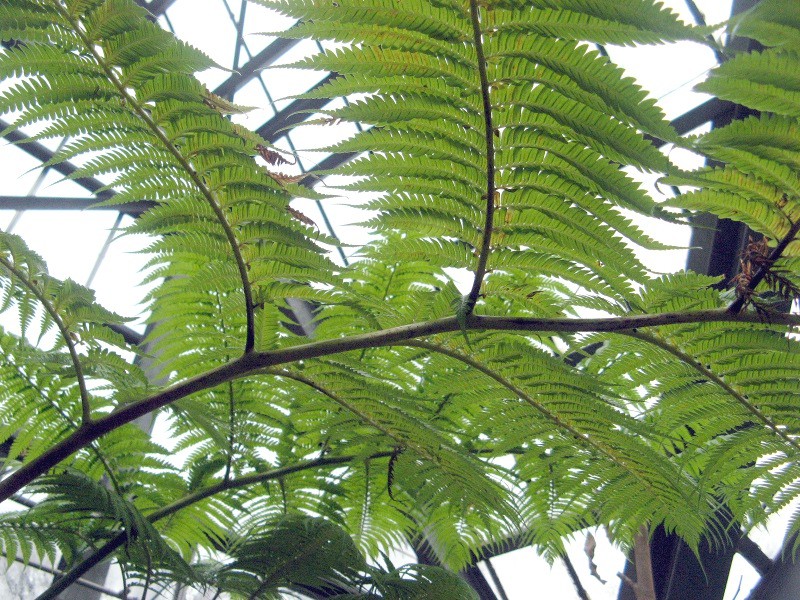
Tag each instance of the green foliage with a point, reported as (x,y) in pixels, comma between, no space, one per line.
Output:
(493,138)
(310,554)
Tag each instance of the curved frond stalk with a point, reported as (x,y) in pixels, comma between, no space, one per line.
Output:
(206,191)
(491,199)
(255,362)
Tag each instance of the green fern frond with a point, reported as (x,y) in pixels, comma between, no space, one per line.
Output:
(763,81)
(585,76)
(141,82)
(21,537)
(621,24)
(438,22)
(771,23)
(549,99)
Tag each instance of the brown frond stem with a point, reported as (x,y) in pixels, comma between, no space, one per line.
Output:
(483,258)
(253,362)
(576,580)
(644,587)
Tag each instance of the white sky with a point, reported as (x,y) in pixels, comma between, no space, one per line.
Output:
(70,241)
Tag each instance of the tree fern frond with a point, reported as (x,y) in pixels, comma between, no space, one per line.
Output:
(62,87)
(40,59)
(763,217)
(21,537)
(147,76)
(620,25)
(409,86)
(410,432)
(388,36)
(437,22)
(574,72)
(401,89)
(771,23)
(645,16)
(763,81)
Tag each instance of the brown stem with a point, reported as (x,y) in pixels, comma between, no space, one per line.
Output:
(257,361)
(644,587)
(480,270)
(81,582)
(576,581)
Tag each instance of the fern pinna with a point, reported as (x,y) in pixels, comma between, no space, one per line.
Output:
(492,143)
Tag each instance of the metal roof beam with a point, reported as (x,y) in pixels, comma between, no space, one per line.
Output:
(709,110)
(68,203)
(753,554)
(157,7)
(251,68)
(43,154)
(294,113)
(782,580)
